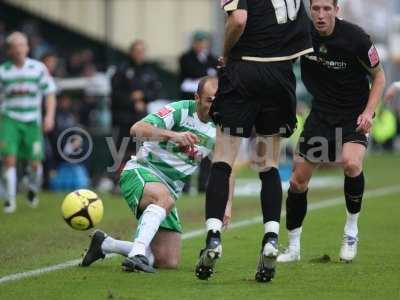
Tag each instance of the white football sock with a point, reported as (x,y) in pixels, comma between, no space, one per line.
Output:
(111,245)
(35,178)
(148,226)
(10,177)
(271,226)
(351,226)
(214,224)
(294,237)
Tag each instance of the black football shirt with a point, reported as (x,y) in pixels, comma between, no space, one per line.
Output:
(275,30)
(337,73)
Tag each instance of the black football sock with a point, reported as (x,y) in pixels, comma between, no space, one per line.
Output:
(296,209)
(353,192)
(217,193)
(271,199)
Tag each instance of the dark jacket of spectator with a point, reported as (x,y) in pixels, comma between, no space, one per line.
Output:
(196,63)
(133,84)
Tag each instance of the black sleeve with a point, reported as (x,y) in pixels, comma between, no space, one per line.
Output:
(231,5)
(366,51)
(152,86)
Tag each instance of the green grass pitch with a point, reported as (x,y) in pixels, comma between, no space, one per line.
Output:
(33,239)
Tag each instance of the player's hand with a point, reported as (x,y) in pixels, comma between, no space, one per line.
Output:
(390,93)
(48,124)
(227,215)
(364,122)
(185,139)
(222,61)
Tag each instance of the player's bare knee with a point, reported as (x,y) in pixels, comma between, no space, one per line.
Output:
(352,167)
(165,201)
(298,185)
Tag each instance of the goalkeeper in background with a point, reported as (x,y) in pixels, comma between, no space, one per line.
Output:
(23,84)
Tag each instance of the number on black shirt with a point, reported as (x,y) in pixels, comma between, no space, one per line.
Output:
(286,10)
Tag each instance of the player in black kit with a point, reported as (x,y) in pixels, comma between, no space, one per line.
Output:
(337,75)
(256,90)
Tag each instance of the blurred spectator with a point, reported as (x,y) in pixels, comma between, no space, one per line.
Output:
(133,85)
(79,62)
(64,119)
(197,62)
(38,46)
(52,62)
(194,64)
(3,34)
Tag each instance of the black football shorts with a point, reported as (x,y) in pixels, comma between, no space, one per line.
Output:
(255,95)
(324,135)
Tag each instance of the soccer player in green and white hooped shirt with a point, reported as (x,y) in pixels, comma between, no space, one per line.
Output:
(23,84)
(180,136)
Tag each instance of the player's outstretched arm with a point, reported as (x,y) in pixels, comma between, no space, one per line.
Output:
(364,121)
(51,103)
(147,131)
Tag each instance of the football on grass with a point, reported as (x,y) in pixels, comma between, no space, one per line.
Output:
(82,209)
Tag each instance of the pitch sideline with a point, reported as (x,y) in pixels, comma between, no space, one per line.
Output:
(196,233)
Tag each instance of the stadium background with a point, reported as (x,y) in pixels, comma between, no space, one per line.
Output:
(88,40)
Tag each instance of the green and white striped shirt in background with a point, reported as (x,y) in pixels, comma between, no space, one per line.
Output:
(22,90)
(171,162)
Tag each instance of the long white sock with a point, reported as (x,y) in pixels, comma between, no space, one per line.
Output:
(294,237)
(35,178)
(147,228)
(111,245)
(351,226)
(10,177)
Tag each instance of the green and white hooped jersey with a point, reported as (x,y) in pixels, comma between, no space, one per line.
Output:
(173,163)
(22,90)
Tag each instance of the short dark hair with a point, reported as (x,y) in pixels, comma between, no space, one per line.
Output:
(203,82)
(335,2)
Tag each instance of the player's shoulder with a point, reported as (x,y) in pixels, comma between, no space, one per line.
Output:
(184,104)
(32,63)
(351,30)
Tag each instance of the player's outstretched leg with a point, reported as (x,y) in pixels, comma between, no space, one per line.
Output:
(94,252)
(209,255)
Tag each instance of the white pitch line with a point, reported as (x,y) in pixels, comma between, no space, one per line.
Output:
(196,233)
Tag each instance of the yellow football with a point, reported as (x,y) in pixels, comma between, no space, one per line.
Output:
(82,209)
